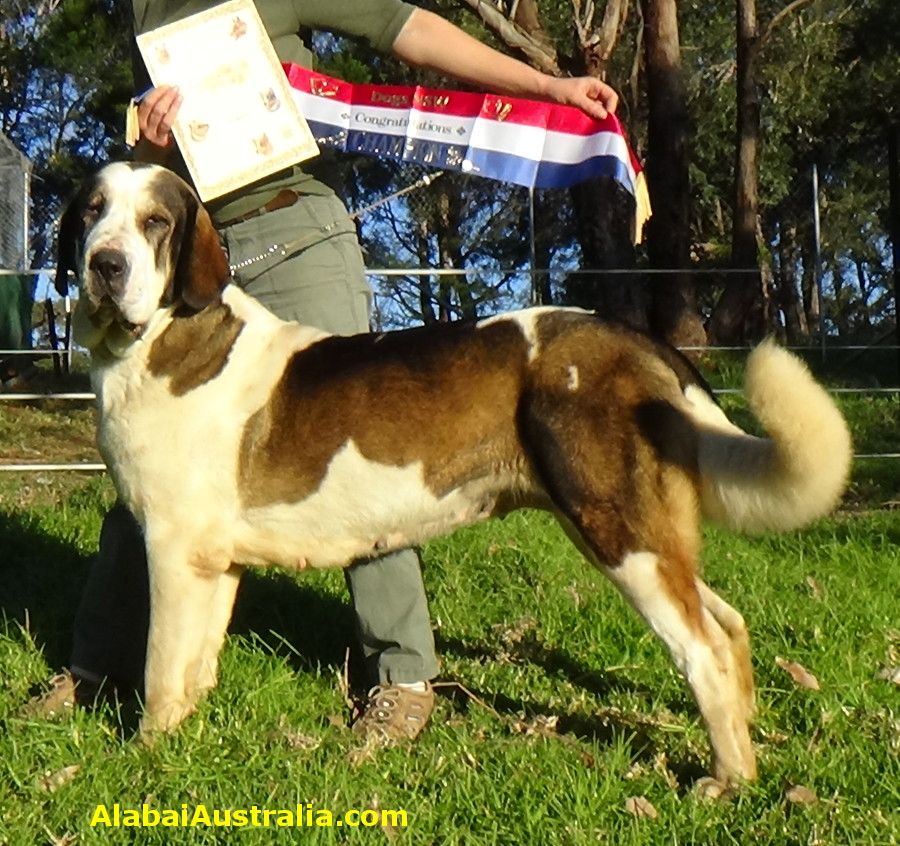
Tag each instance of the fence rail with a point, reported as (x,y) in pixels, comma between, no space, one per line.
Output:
(88,396)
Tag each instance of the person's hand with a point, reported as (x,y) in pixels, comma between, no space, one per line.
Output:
(593,96)
(156,114)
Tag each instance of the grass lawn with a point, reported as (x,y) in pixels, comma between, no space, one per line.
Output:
(562,720)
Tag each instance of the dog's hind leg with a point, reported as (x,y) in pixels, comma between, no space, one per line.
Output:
(709,647)
(188,596)
(734,626)
(619,466)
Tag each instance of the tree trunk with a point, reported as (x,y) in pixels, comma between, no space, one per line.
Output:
(742,304)
(809,288)
(449,220)
(531,45)
(426,284)
(673,308)
(743,293)
(786,287)
(865,291)
(603,214)
(542,290)
(603,209)
(597,43)
(525,15)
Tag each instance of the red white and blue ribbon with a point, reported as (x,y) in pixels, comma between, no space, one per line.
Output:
(535,144)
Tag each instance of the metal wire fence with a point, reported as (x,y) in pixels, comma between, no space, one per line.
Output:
(432,241)
(15,181)
(519,288)
(16,288)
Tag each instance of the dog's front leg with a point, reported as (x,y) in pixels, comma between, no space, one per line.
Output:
(218,616)
(189,593)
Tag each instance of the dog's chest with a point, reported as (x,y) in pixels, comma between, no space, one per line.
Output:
(161,447)
(170,432)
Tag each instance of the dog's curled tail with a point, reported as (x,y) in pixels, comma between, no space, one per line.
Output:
(792,477)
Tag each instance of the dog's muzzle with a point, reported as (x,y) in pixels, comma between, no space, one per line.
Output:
(108,271)
(105,283)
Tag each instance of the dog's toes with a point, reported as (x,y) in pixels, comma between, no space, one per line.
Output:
(147,736)
(713,789)
(163,721)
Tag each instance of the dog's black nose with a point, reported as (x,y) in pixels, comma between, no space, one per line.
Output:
(110,265)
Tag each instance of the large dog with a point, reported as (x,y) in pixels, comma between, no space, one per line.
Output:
(238,439)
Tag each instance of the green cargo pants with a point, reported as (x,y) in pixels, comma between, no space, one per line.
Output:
(322,284)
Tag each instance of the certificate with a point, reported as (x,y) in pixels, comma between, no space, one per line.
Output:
(238,121)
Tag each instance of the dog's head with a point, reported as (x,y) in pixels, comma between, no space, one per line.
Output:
(138,239)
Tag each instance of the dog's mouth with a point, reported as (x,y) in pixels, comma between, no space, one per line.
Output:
(105,312)
(99,324)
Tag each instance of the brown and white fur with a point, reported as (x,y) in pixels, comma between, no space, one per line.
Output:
(238,439)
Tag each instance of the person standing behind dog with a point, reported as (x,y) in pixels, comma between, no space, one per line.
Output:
(322,285)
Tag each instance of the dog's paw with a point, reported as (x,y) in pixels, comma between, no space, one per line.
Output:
(148,737)
(712,789)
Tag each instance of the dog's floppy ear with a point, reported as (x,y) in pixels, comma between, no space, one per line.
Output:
(201,271)
(71,231)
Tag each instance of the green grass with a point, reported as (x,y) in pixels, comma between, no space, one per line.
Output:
(564,705)
(559,705)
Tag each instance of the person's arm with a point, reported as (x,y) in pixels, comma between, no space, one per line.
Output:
(431,42)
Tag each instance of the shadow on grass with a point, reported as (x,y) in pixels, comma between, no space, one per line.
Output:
(299,622)
(640,734)
(608,727)
(41,579)
(555,662)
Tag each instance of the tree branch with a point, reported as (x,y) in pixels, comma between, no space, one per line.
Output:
(513,36)
(610,29)
(779,19)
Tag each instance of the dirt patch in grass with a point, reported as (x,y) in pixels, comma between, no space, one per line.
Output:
(46,431)
(52,431)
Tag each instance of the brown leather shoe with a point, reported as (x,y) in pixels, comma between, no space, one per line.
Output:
(64,691)
(394,714)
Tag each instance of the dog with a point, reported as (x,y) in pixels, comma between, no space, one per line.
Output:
(237,439)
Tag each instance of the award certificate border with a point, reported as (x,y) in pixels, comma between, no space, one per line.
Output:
(252,126)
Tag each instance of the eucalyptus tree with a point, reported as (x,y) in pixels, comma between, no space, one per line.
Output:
(64,82)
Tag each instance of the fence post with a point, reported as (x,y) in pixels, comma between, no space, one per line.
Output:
(817,256)
(532,246)
(894,227)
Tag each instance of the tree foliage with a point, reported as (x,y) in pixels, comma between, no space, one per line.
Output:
(824,79)
(64,79)
(827,80)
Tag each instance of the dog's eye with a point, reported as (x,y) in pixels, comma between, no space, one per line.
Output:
(93,208)
(157,221)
